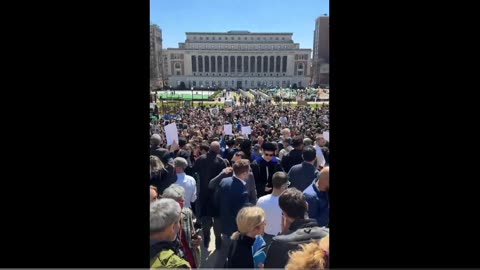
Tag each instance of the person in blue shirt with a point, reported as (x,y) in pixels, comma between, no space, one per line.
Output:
(318,199)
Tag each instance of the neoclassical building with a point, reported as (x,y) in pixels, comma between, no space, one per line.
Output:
(238,59)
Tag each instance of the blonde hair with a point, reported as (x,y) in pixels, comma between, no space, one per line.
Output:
(248,218)
(311,256)
(155,164)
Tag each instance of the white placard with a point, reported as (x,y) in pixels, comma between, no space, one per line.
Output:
(171,133)
(326,135)
(247,130)
(227,129)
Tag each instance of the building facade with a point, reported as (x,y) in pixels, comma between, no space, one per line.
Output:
(156,58)
(321,51)
(238,59)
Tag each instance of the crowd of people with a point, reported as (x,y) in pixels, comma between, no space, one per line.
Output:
(264,193)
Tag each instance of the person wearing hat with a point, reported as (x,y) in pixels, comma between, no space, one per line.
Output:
(269,203)
(264,167)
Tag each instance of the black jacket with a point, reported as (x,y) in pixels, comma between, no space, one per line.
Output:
(293,158)
(301,231)
(302,175)
(240,253)
(158,151)
(263,171)
(207,166)
(163,178)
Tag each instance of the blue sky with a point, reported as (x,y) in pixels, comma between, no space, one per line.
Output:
(176,17)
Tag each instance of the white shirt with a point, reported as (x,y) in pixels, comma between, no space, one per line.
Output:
(320,157)
(273,213)
(283,120)
(190,186)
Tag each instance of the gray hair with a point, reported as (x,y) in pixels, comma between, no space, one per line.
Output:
(180,162)
(155,139)
(163,213)
(174,191)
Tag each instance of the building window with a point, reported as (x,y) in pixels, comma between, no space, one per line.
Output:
(206,38)
(177,65)
(246,83)
(259,64)
(233,83)
(207,64)
(194,64)
(300,66)
(194,83)
(232,64)
(300,73)
(271,63)
(232,38)
(201,38)
(284,64)
(283,38)
(225,64)
(194,38)
(213,63)
(265,64)
(219,63)
(239,64)
(252,64)
(200,63)
(245,64)
(238,38)
(178,73)
(246,38)
(276,38)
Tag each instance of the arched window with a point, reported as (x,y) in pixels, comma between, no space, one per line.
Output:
(259,64)
(177,65)
(265,64)
(194,63)
(213,63)
(200,63)
(207,64)
(277,64)
(232,63)
(219,63)
(271,63)
(252,64)
(284,64)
